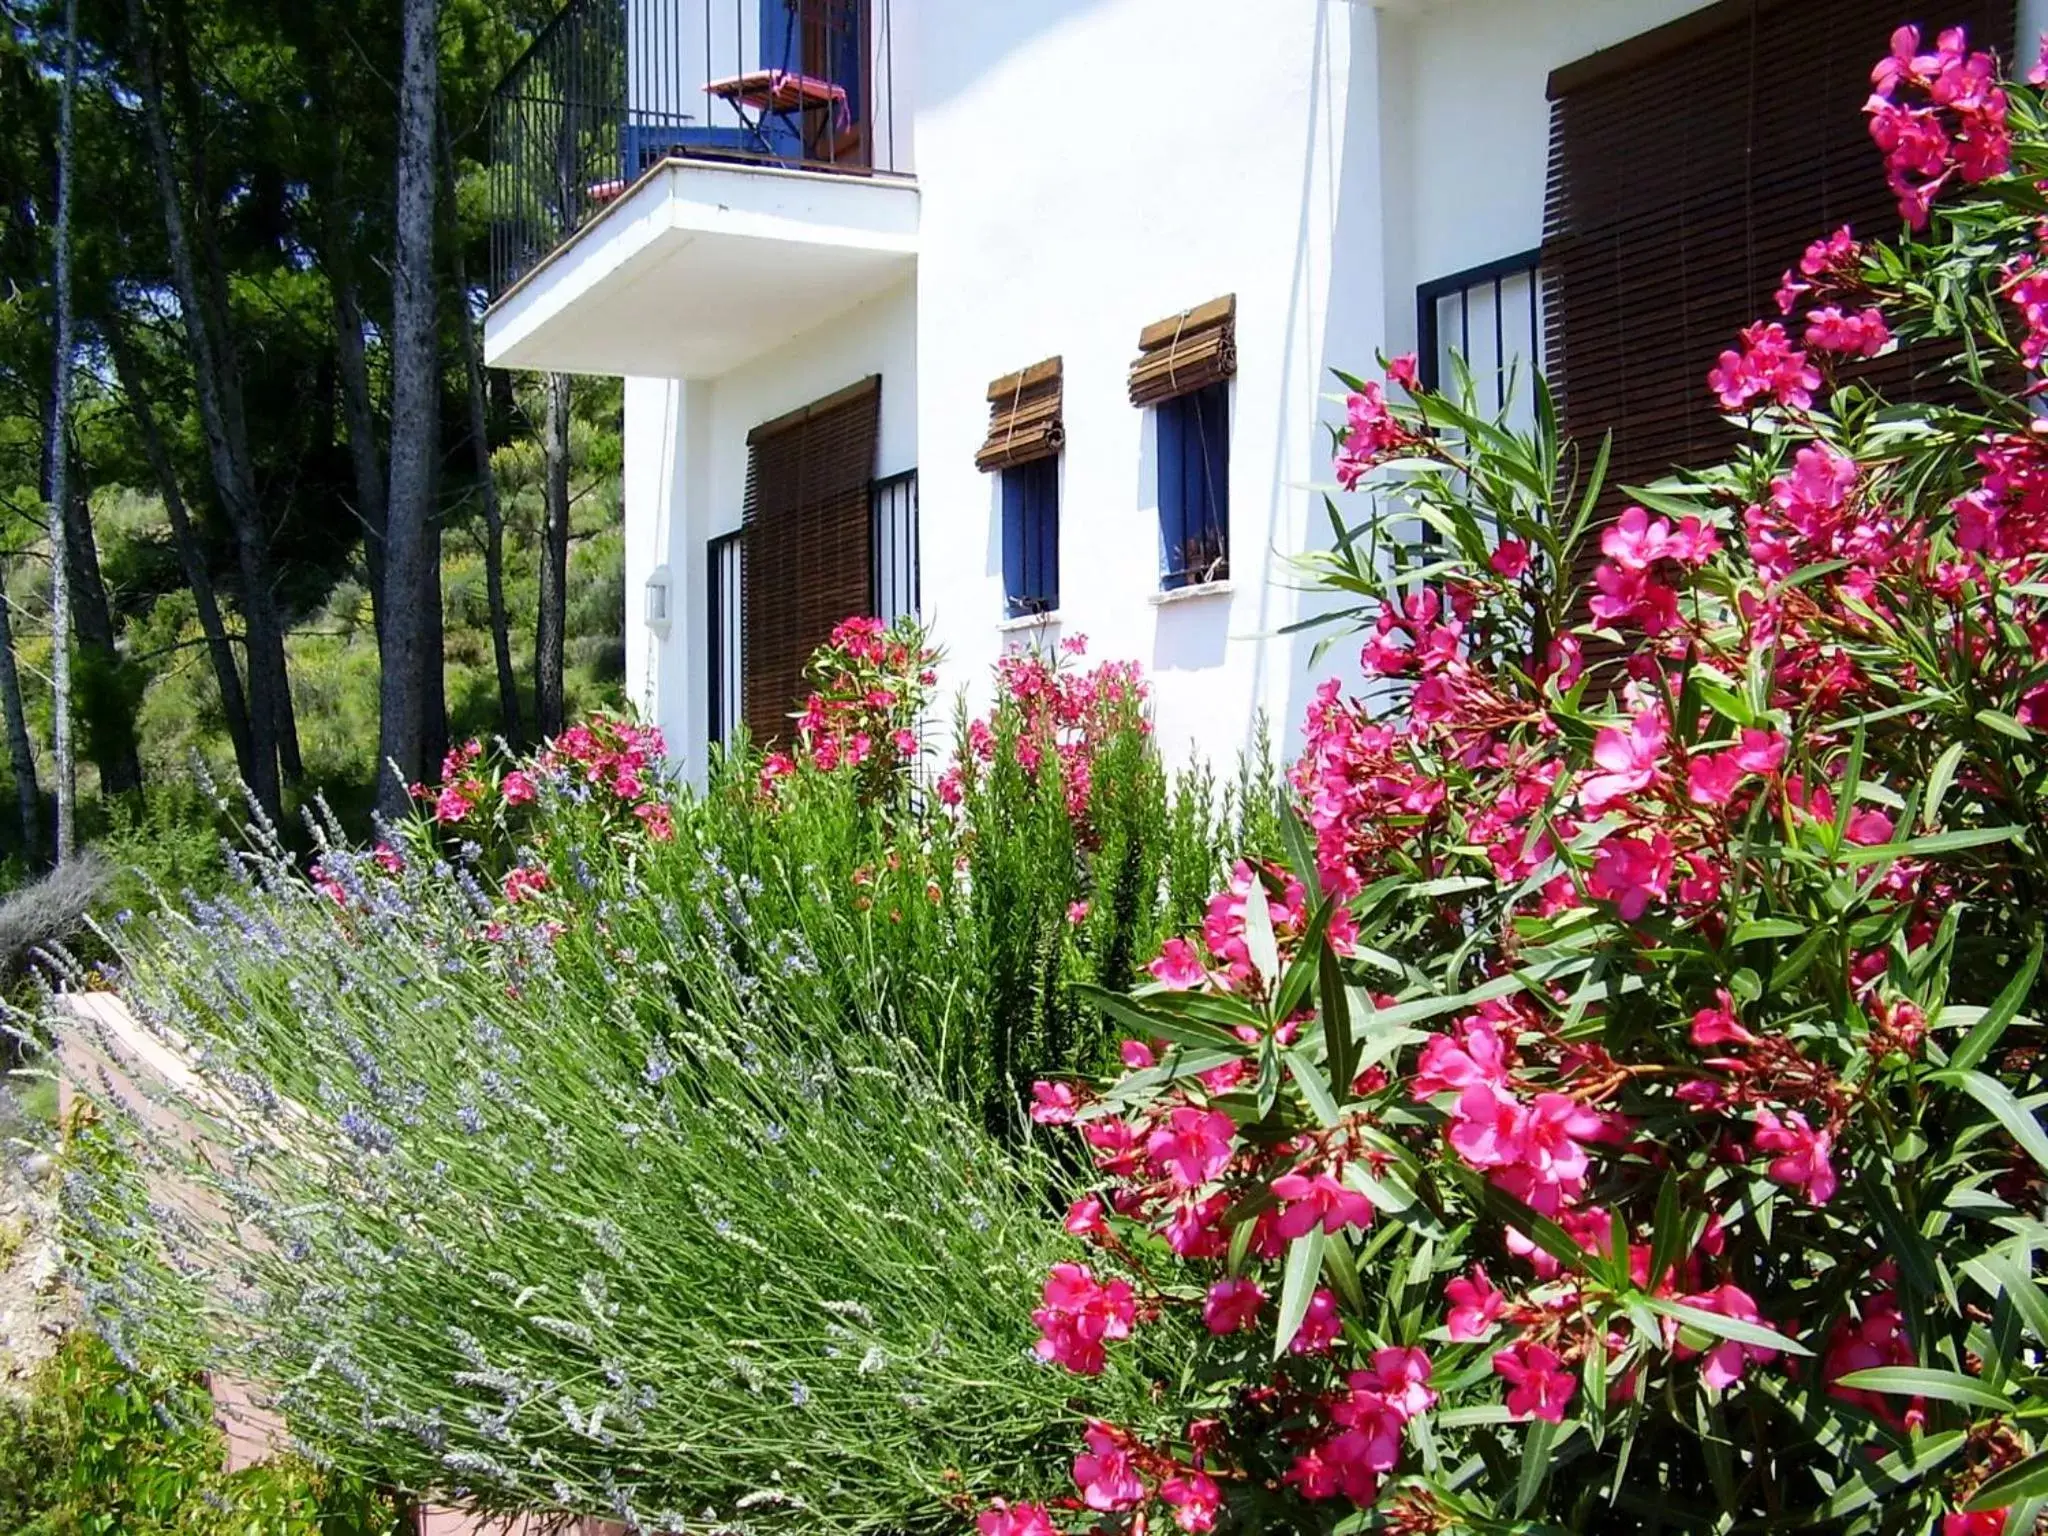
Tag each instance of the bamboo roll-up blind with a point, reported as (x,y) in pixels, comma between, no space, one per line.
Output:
(1024,421)
(1186,352)
(809,544)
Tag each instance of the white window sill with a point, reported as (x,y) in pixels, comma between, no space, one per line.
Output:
(1025,622)
(1199,592)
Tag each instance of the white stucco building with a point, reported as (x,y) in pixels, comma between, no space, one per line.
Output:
(893,210)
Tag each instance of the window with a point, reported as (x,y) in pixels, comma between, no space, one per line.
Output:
(1031,537)
(1182,372)
(1194,486)
(809,524)
(1689,167)
(1025,435)
(898,585)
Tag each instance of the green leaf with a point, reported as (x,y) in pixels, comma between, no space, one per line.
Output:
(2018,1121)
(2022,1480)
(1977,1044)
(2001,1275)
(1918,1381)
(1725,1327)
(1537,1446)
(1298,1287)
(1766,928)
(1540,1229)
(1998,720)
(1668,1229)
(1938,782)
(1258,934)
(1924,847)
(1904,1466)
(1310,1079)
(1336,1011)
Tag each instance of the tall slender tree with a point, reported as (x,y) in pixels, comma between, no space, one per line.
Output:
(487,481)
(404,689)
(217,385)
(191,557)
(550,634)
(57,453)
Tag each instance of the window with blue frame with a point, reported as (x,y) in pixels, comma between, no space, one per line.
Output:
(1031,536)
(1194,486)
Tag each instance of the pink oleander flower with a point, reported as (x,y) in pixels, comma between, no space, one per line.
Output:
(1802,1159)
(1538,1385)
(1632,872)
(517,788)
(1722,1365)
(1320,1325)
(1136,1055)
(1451,1066)
(389,859)
(1193,1146)
(1005,1519)
(1863,334)
(525,883)
(1085,1218)
(1179,966)
(1193,1497)
(1718,1026)
(1767,364)
(451,805)
(1319,1200)
(1232,1305)
(1104,1472)
(1981,1522)
(1475,1306)
(1054,1103)
(1628,761)
(1079,1315)
(1401,1376)
(1510,560)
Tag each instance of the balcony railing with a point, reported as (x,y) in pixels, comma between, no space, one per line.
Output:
(611,88)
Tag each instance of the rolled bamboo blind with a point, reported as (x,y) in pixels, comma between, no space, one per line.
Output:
(1186,352)
(1024,421)
(809,540)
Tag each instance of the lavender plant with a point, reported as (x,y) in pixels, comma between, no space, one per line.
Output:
(589,1151)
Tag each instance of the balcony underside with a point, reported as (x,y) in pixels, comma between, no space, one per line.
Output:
(700,267)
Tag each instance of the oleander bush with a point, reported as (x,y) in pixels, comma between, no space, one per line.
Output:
(1622,1110)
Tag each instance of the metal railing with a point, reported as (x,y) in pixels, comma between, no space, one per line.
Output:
(611,88)
(725,634)
(1492,317)
(897,585)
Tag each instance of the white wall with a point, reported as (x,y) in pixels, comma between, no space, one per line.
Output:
(686,476)
(1088,167)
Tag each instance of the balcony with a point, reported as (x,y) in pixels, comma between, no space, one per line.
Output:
(678,186)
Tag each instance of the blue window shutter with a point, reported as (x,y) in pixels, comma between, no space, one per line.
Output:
(1172,445)
(1194,485)
(1031,537)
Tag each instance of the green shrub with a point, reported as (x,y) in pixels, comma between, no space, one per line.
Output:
(97,1448)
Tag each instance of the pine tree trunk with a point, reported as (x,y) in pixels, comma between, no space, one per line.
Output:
(191,557)
(110,728)
(21,752)
(217,383)
(57,453)
(487,483)
(415,389)
(359,411)
(551,633)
